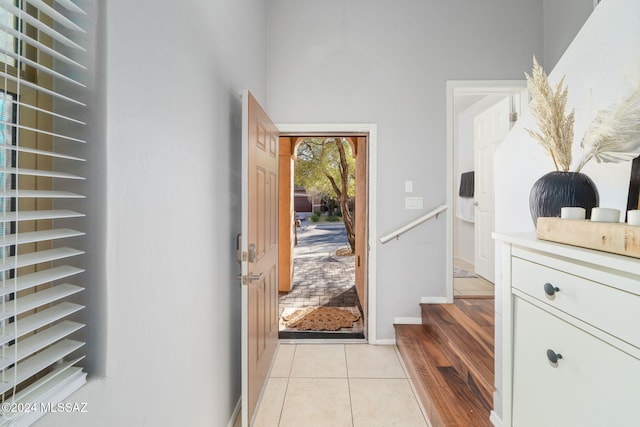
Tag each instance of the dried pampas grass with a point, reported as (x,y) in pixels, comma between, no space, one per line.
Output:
(614,134)
(612,137)
(556,128)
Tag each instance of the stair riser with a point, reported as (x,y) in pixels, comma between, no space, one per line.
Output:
(482,387)
(448,401)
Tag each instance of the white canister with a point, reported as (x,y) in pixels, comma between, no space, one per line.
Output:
(605,215)
(633,217)
(572,213)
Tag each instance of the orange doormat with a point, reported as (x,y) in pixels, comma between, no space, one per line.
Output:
(320,319)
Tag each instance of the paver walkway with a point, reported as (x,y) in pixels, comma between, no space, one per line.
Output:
(320,277)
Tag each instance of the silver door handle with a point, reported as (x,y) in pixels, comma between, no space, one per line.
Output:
(476,204)
(254,276)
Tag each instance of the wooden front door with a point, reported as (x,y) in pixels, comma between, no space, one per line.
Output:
(259,251)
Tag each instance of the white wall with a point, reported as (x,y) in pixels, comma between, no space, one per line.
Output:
(376,61)
(562,20)
(600,66)
(167,97)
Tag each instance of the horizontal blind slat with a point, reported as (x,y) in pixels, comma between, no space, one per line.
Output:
(38,362)
(31,280)
(56,16)
(71,6)
(41,152)
(32,258)
(38,320)
(4,75)
(41,47)
(38,236)
(39,215)
(40,194)
(39,67)
(36,299)
(41,172)
(43,132)
(37,342)
(49,386)
(40,26)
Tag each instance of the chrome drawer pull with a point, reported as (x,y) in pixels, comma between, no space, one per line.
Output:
(550,290)
(553,357)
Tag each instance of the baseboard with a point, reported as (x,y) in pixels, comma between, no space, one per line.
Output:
(495,419)
(235,414)
(433,300)
(407,321)
(385,342)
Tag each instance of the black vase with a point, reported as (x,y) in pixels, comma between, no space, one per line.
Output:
(556,190)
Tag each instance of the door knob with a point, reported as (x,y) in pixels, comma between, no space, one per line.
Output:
(476,203)
(254,276)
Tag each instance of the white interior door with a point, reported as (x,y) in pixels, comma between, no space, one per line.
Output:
(259,251)
(490,128)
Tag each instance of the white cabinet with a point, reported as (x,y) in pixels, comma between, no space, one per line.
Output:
(571,325)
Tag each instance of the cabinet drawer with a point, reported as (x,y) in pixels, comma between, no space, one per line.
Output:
(611,310)
(594,384)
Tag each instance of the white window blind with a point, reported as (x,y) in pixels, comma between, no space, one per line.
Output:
(41,110)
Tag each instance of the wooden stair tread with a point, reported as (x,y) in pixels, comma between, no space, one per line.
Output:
(446,397)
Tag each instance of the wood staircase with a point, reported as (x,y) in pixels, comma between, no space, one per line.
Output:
(450,360)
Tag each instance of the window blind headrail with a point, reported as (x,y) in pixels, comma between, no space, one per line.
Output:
(7,76)
(39,320)
(40,26)
(38,236)
(23,260)
(37,299)
(21,149)
(38,362)
(39,215)
(41,47)
(40,194)
(56,16)
(38,278)
(14,353)
(42,132)
(41,172)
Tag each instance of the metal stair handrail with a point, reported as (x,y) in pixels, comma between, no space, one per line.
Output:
(426,217)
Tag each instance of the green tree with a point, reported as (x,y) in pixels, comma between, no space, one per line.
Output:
(326,166)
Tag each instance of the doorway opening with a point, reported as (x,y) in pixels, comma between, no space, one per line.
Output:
(479,116)
(324,256)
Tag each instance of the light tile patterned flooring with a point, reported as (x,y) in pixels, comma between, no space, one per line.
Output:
(472,286)
(336,385)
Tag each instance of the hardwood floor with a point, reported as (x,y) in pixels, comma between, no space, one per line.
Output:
(450,360)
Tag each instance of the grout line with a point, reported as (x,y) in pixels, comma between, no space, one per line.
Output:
(284,400)
(348,386)
(415,397)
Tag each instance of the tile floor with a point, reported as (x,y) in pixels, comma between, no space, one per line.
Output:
(335,385)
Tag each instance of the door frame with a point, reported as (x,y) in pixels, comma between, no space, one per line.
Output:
(371,130)
(455,88)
